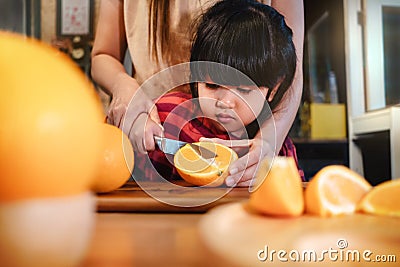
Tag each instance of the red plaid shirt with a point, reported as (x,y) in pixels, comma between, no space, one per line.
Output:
(182,120)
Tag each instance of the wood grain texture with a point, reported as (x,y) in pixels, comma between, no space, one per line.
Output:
(132,198)
(149,239)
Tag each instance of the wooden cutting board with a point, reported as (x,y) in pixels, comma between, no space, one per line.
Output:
(132,198)
(242,237)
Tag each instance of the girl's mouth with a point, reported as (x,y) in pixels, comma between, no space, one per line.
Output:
(224,118)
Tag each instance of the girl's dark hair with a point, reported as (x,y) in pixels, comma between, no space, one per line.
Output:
(251,37)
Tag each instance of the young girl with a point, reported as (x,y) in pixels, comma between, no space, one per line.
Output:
(243,62)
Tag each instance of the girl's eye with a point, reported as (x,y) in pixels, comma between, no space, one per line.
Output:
(212,85)
(243,91)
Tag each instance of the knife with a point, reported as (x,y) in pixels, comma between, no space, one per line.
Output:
(171,146)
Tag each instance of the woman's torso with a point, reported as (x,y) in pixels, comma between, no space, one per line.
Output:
(182,14)
(136,15)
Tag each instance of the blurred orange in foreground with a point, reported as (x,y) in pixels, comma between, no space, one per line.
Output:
(49,147)
(116,162)
(335,190)
(49,119)
(383,199)
(281,192)
(204,172)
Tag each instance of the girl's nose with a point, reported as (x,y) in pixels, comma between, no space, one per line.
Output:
(225,98)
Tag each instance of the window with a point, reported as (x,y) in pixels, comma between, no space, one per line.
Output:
(20,16)
(13,16)
(373,79)
(382,53)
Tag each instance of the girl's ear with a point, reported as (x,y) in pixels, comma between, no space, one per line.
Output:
(271,94)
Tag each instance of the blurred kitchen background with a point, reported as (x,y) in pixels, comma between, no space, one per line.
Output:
(350,112)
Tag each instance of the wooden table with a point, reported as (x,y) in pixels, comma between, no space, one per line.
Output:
(148,239)
(133,229)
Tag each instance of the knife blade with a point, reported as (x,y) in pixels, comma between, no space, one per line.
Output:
(171,146)
(203,152)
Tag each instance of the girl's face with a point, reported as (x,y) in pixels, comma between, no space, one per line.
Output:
(231,107)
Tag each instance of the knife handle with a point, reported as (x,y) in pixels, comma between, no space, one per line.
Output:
(160,141)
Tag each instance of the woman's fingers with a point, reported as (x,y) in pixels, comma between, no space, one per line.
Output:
(152,129)
(142,133)
(136,133)
(230,143)
(241,147)
(154,116)
(247,183)
(244,169)
(245,177)
(110,118)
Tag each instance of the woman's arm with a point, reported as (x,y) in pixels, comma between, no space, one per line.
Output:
(243,170)
(109,47)
(293,11)
(108,71)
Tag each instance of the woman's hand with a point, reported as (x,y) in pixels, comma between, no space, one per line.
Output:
(117,110)
(143,129)
(123,91)
(243,170)
(133,111)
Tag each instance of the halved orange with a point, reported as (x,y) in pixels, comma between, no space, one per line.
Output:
(335,190)
(383,199)
(281,191)
(204,172)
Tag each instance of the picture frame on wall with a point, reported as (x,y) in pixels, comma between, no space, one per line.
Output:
(75,17)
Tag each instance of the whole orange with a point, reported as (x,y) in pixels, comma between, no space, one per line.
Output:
(116,160)
(49,120)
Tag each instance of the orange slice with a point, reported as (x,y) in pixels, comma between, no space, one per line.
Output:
(383,199)
(281,192)
(204,172)
(335,190)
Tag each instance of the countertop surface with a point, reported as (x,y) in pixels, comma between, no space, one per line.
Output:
(153,197)
(133,229)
